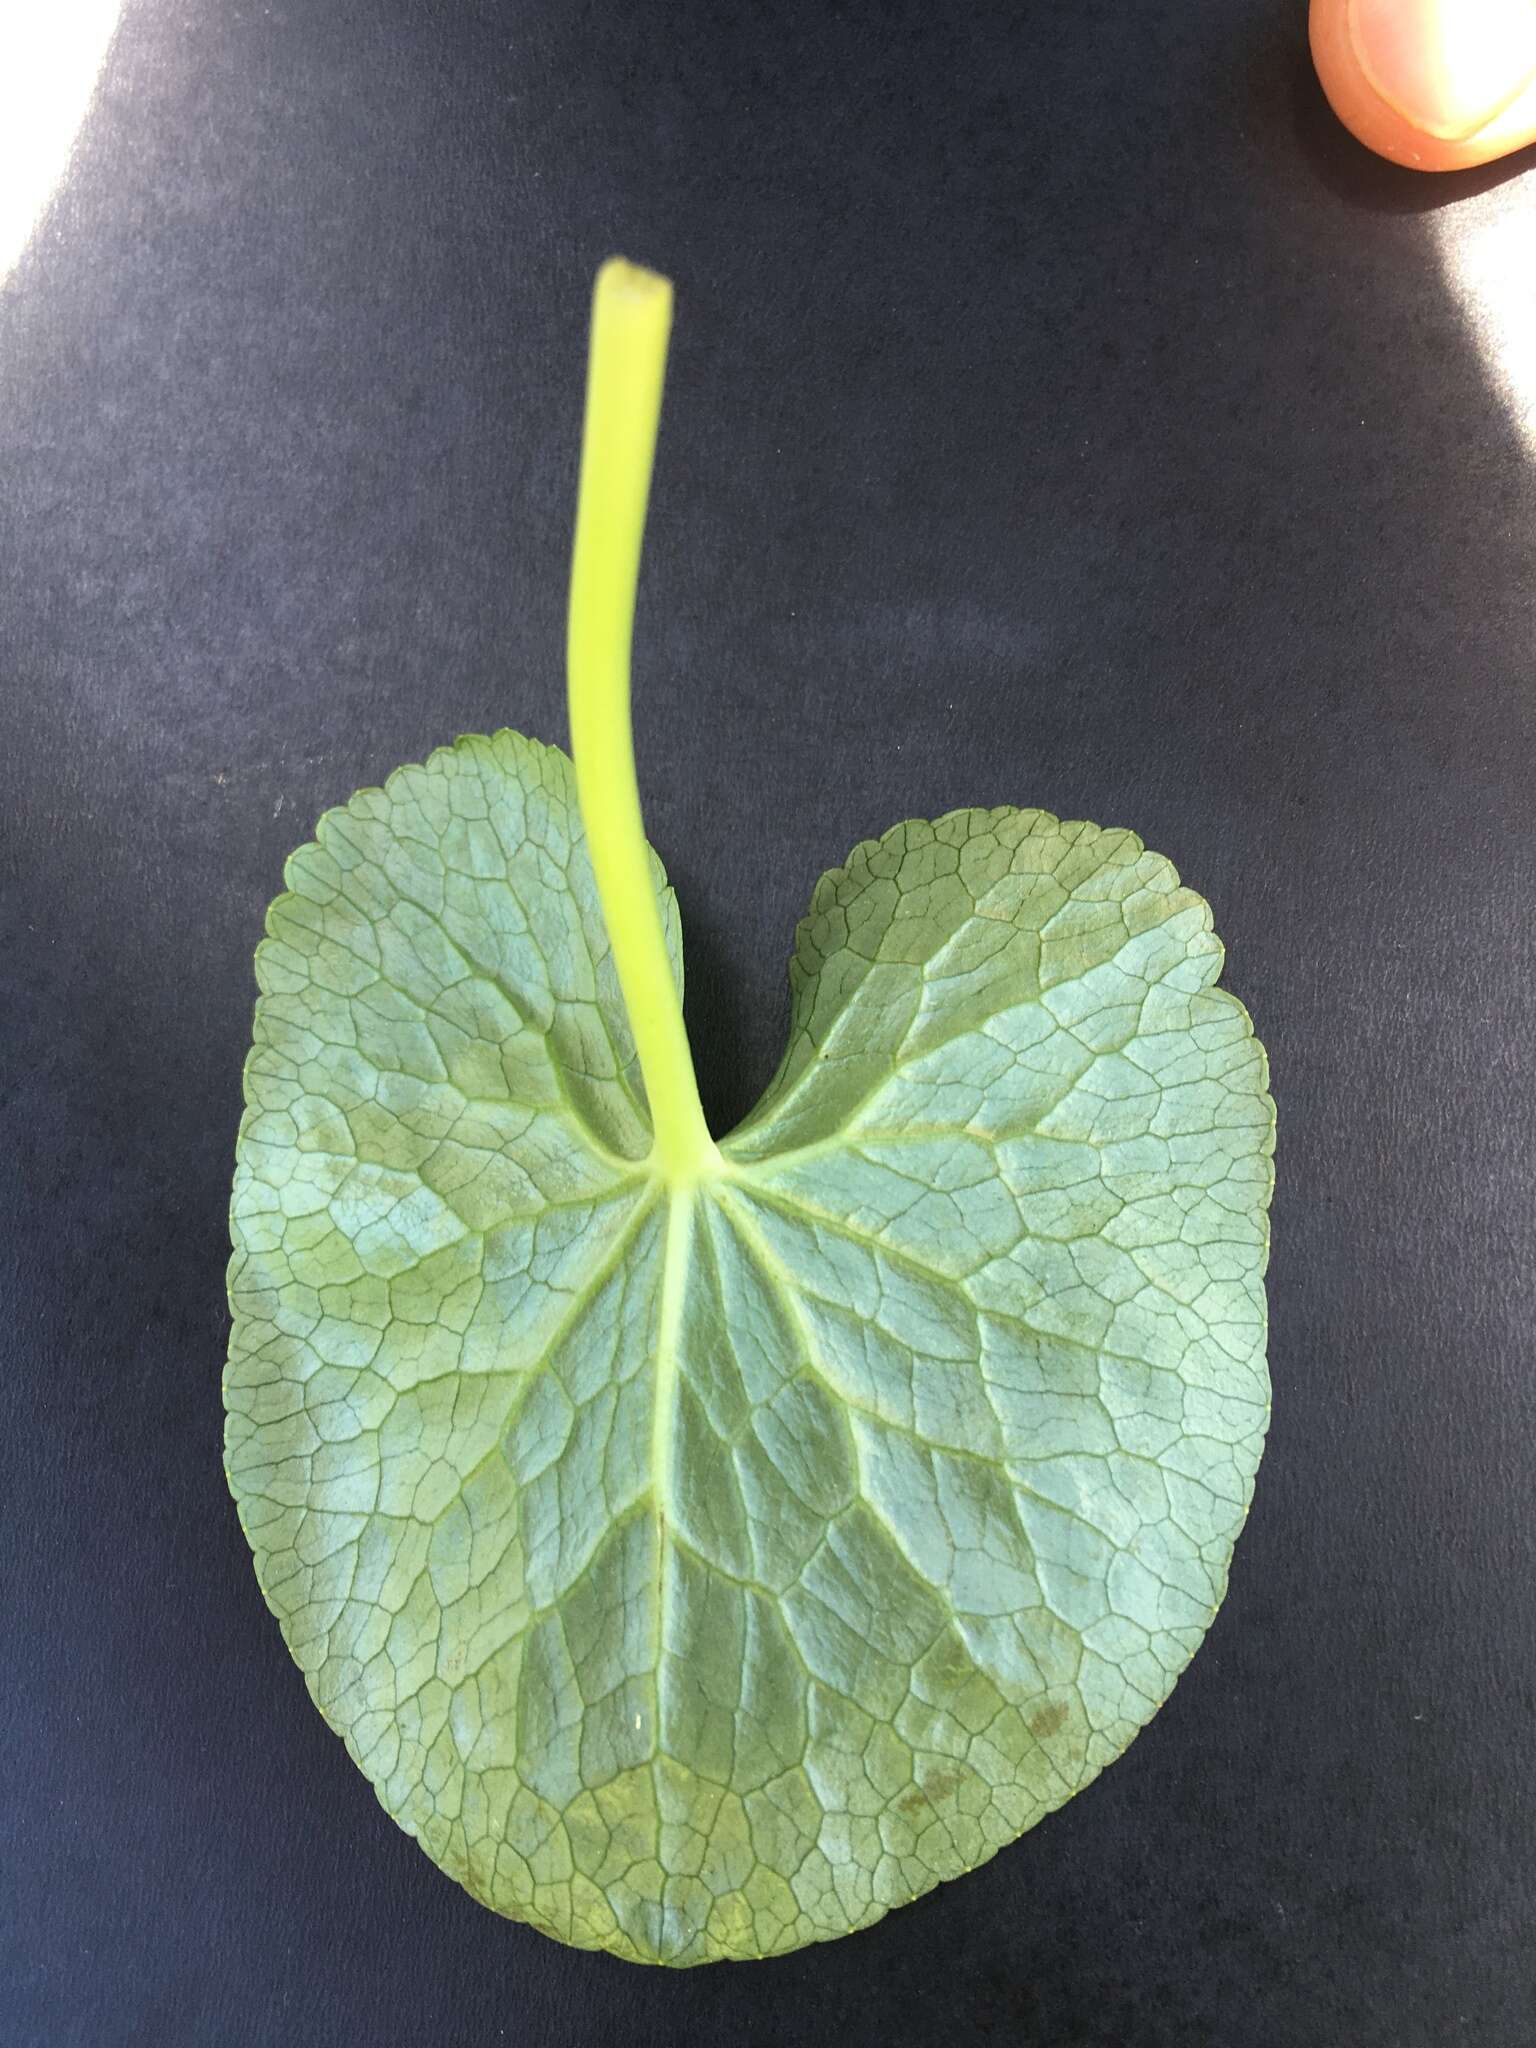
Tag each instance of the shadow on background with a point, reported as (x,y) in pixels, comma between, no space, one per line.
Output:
(1061,412)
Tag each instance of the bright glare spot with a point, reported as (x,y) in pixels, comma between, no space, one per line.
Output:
(51,54)
(1485,250)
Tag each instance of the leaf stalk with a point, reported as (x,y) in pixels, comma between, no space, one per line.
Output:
(631,324)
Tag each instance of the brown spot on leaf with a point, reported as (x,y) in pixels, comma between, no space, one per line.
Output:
(1047,1719)
(930,1792)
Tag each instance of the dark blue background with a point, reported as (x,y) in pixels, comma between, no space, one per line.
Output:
(1063,411)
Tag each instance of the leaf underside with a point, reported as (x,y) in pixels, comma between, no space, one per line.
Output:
(699,1576)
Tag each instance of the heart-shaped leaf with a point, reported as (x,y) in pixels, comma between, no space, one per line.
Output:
(705,1549)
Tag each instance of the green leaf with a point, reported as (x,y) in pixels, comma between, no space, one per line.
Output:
(700,1566)
(705,1548)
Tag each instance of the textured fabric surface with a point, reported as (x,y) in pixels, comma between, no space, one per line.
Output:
(1061,415)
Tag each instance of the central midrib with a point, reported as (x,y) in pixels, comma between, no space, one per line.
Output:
(674,1287)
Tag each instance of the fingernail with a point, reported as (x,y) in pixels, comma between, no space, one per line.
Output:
(1447,66)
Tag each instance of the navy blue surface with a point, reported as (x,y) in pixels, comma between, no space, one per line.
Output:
(1062,412)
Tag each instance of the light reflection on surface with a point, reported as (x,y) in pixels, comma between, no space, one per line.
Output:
(51,53)
(1487,248)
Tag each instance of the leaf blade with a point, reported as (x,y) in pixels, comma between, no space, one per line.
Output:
(701,1576)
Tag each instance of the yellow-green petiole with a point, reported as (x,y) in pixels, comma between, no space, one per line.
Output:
(631,321)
